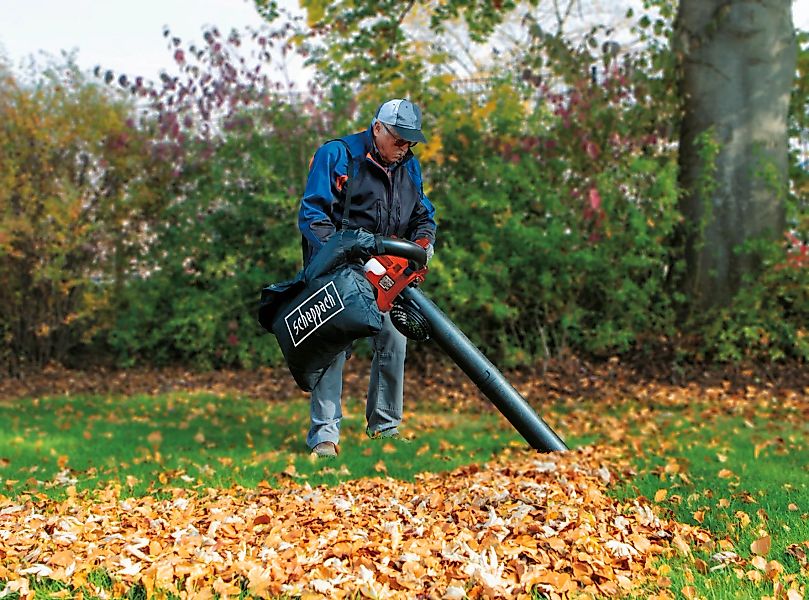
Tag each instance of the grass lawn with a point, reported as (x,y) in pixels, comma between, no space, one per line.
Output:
(738,468)
(200,440)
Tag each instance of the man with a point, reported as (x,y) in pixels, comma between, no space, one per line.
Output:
(387,198)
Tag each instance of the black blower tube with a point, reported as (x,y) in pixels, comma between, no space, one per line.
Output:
(486,376)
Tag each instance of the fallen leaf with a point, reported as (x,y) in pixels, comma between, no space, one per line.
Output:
(798,553)
(689,591)
(761,546)
(681,545)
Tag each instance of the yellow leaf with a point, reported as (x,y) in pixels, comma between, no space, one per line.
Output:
(315,11)
(755,576)
(660,495)
(681,545)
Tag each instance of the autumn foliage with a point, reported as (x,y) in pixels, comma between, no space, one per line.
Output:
(140,219)
(499,530)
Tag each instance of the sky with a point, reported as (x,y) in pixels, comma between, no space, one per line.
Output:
(127,35)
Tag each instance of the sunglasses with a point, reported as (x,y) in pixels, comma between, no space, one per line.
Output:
(397,141)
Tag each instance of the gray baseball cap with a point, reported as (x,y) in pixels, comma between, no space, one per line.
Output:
(403,117)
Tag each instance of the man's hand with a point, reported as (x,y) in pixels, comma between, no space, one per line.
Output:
(430,251)
(428,247)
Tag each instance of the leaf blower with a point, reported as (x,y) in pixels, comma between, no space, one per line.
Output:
(339,297)
(395,276)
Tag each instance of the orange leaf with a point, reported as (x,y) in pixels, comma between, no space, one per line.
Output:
(261,520)
(557,580)
(689,592)
(761,546)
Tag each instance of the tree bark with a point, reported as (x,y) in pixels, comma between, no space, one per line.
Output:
(738,63)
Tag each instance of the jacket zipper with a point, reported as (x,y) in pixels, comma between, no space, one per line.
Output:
(389,189)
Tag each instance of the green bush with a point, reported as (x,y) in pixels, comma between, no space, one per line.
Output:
(554,224)
(556,200)
(768,320)
(232,231)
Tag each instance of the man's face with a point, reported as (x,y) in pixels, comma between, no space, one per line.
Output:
(391,147)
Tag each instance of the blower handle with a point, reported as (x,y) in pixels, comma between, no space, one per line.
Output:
(404,249)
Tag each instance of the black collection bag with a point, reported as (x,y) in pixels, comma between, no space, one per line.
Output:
(328,305)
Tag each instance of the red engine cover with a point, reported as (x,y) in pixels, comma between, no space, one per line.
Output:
(390,275)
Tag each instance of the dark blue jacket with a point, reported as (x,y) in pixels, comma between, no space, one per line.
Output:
(386,203)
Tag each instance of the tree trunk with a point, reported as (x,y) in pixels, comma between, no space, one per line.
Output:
(738,62)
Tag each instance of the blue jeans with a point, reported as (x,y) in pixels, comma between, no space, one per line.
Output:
(383,407)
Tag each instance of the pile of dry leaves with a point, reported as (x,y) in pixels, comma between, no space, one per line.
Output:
(496,530)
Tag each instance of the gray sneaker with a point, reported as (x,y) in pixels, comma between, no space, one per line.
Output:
(326,450)
(392,432)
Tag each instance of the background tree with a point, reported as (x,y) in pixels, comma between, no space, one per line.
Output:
(148,225)
(738,63)
(77,188)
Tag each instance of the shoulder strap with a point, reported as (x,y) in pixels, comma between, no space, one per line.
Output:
(348,186)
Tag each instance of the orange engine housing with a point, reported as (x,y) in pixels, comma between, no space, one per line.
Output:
(390,275)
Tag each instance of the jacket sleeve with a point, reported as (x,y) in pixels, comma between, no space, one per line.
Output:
(316,214)
(422,219)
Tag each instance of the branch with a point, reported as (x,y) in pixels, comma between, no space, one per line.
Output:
(399,24)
